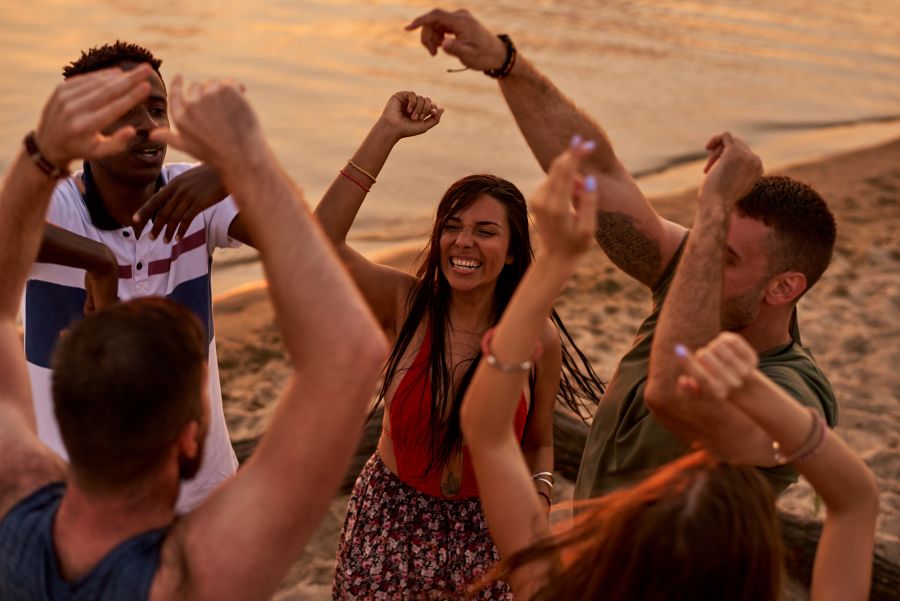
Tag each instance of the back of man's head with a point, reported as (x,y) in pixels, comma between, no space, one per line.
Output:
(111,55)
(804,226)
(126,380)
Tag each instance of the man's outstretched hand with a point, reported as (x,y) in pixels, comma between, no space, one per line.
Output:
(215,124)
(83,105)
(176,205)
(462,36)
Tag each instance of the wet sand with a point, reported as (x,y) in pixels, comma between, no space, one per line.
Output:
(849,320)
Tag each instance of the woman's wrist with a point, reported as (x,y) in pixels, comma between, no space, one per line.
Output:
(385,131)
(558,263)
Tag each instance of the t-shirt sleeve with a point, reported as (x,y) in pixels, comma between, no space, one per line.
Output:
(61,211)
(218,219)
(809,392)
(660,287)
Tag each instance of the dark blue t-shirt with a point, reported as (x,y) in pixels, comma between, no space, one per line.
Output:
(28,567)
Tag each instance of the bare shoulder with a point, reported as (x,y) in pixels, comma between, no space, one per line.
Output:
(27,463)
(406,284)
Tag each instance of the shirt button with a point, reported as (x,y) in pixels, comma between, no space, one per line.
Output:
(126,233)
(140,265)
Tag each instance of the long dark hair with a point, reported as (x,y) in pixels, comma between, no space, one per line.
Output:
(696,529)
(430,298)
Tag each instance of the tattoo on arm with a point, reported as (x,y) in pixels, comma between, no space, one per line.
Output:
(628,247)
(450,483)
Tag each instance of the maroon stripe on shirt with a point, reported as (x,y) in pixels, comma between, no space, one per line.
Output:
(189,243)
(124,272)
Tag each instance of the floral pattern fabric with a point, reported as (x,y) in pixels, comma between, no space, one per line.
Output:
(401,544)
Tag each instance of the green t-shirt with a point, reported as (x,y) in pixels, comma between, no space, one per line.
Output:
(625,442)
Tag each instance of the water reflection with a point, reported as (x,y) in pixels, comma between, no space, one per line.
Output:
(660,75)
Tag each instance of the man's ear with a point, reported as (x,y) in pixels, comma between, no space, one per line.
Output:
(785,287)
(188,445)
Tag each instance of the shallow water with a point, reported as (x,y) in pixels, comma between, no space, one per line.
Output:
(796,78)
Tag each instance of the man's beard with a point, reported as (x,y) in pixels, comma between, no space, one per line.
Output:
(740,311)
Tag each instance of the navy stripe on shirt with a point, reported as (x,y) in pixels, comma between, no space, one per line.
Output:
(51,308)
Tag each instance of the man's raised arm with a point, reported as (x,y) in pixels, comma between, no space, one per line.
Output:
(69,129)
(629,230)
(692,313)
(240,542)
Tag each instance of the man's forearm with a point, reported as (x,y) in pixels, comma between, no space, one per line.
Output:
(24,197)
(629,230)
(548,119)
(23,204)
(691,314)
(62,247)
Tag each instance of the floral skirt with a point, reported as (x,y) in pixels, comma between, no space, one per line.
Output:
(399,543)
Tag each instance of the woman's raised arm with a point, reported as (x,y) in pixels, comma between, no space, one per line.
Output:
(406,114)
(725,370)
(515,514)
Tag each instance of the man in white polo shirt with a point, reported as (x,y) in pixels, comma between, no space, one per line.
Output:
(94,250)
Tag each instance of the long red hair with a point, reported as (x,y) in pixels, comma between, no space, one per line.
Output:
(696,529)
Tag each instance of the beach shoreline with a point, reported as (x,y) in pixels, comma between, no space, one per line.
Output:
(848,320)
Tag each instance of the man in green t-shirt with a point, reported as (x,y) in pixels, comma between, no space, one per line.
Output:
(757,245)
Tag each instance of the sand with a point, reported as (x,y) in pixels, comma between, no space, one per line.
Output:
(848,320)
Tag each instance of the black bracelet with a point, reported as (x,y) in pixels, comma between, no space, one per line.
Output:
(34,153)
(510,61)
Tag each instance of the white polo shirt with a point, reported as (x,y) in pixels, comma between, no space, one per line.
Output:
(54,298)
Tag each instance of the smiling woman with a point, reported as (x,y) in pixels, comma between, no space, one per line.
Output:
(474,244)
(414,527)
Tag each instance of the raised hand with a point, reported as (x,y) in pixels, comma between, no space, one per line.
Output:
(565,205)
(176,205)
(215,124)
(80,107)
(717,370)
(471,42)
(409,114)
(731,170)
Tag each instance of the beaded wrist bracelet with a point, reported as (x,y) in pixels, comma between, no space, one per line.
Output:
(810,447)
(510,61)
(508,368)
(34,153)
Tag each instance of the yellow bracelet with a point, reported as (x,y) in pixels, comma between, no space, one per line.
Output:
(361,170)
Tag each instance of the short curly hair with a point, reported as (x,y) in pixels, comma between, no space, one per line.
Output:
(805,229)
(110,55)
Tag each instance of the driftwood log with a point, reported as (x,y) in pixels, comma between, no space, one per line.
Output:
(800,535)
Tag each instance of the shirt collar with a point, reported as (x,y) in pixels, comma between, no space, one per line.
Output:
(100,217)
